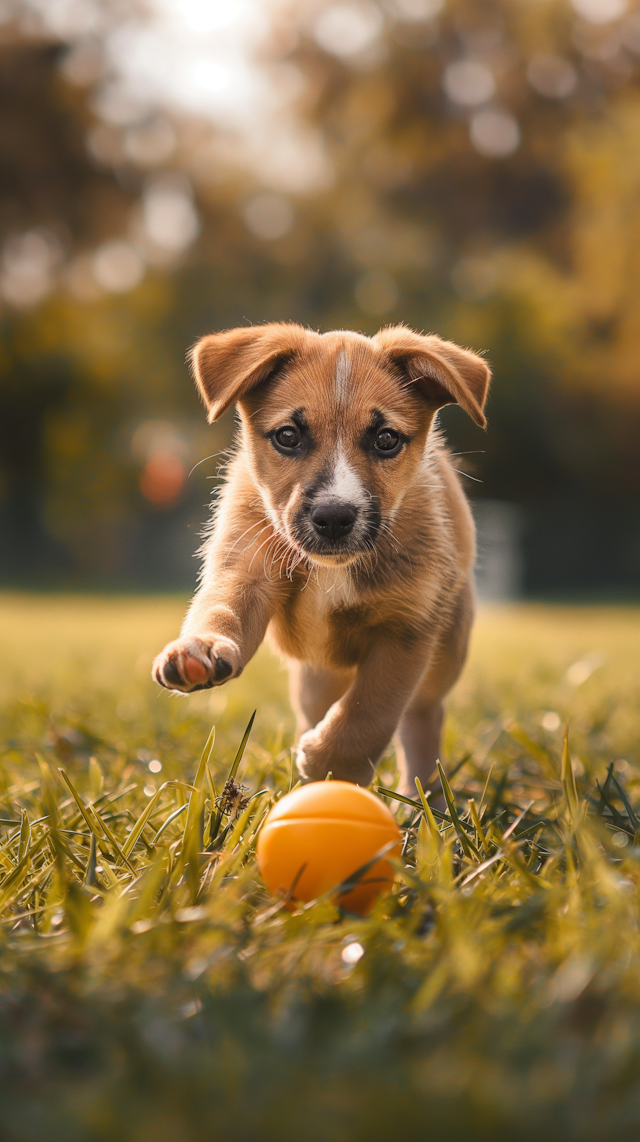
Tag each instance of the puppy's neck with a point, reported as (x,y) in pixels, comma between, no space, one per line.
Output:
(337,584)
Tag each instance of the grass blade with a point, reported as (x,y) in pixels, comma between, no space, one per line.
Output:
(382,789)
(242,747)
(90,874)
(20,872)
(626,803)
(92,816)
(478,825)
(196,803)
(25,835)
(568,778)
(169,821)
(428,813)
(467,846)
(127,848)
(232,773)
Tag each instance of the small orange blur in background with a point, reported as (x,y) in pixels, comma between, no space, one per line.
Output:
(162,479)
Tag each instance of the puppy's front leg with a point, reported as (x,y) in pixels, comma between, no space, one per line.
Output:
(224,626)
(356,730)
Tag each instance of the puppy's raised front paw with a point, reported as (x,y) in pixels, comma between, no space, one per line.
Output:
(197,663)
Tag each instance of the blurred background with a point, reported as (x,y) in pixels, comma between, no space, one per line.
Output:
(174,167)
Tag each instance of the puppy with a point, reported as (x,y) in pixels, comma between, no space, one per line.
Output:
(342,529)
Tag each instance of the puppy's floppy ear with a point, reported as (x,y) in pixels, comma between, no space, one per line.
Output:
(227,365)
(443,372)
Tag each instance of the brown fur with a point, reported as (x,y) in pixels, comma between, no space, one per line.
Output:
(375,621)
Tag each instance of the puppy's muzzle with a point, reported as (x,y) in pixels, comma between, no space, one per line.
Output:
(333,520)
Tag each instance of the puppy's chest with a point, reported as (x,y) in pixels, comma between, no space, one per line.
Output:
(325,623)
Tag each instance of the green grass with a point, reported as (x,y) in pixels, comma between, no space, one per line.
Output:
(150,992)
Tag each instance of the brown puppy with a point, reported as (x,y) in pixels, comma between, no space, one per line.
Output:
(343,529)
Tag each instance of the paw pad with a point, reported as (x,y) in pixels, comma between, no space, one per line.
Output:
(222,669)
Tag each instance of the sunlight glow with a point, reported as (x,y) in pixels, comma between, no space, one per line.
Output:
(194,55)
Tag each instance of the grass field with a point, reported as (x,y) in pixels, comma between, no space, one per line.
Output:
(150,987)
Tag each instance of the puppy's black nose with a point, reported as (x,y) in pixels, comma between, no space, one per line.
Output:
(333,519)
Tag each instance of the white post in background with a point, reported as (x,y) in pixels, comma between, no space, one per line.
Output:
(499,563)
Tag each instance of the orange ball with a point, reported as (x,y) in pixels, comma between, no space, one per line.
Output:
(319,835)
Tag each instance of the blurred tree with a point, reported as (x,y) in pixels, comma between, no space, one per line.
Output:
(51,196)
(471,169)
(88,348)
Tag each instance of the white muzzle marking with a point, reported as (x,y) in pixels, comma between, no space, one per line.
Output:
(345,484)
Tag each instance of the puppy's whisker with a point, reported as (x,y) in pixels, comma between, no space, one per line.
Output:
(269,539)
(213,456)
(308,577)
(283,550)
(277,551)
(396,543)
(388,531)
(254,540)
(286,555)
(474,478)
(297,560)
(240,537)
(293,559)
(292,562)
(372,558)
(270,556)
(265,557)
(277,557)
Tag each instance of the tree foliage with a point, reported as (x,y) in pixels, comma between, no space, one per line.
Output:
(480,178)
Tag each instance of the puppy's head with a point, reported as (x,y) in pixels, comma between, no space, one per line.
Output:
(335,425)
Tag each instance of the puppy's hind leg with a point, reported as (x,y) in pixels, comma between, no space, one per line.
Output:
(420,727)
(313,690)
(419,748)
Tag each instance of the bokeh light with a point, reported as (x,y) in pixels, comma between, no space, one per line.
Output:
(28,264)
(552,75)
(269,216)
(468,82)
(495,133)
(348,29)
(600,11)
(117,266)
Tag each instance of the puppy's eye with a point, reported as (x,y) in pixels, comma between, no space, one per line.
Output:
(287,437)
(387,440)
